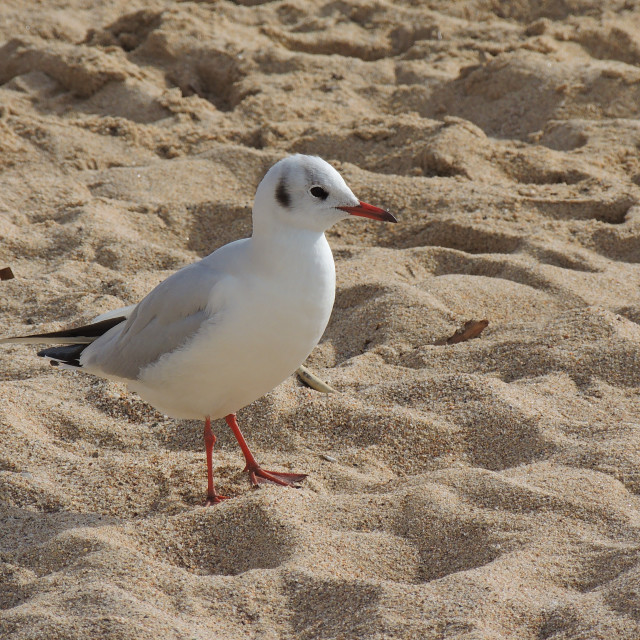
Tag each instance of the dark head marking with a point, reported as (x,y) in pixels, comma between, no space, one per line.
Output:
(282,194)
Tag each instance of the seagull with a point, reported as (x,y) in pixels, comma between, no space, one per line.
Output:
(222,332)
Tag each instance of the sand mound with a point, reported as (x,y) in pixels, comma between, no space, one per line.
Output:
(487,489)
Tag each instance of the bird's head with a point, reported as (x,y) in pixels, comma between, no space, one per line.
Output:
(308,193)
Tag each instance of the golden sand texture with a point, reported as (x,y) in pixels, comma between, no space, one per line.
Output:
(485,490)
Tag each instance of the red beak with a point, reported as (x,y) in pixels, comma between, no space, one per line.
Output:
(365,210)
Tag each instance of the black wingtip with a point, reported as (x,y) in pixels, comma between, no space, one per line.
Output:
(69,354)
(94,330)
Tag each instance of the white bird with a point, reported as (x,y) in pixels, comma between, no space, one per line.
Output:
(222,332)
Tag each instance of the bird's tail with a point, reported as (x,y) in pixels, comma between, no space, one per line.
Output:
(75,341)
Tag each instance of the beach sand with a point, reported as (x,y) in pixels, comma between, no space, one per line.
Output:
(487,489)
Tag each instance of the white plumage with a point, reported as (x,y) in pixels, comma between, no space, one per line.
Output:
(222,332)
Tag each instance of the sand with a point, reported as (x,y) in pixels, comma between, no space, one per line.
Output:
(481,490)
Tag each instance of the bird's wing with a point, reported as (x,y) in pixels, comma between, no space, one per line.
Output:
(76,335)
(165,320)
(122,342)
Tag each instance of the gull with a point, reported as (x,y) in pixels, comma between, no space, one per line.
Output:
(222,332)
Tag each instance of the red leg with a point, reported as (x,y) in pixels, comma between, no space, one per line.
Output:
(256,473)
(213,497)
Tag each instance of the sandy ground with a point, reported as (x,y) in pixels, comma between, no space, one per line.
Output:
(482,490)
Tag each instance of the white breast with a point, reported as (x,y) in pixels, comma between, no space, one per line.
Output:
(271,319)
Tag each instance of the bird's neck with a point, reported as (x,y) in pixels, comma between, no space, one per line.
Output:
(291,249)
(289,239)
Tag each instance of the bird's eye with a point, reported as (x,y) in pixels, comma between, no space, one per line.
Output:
(318,192)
